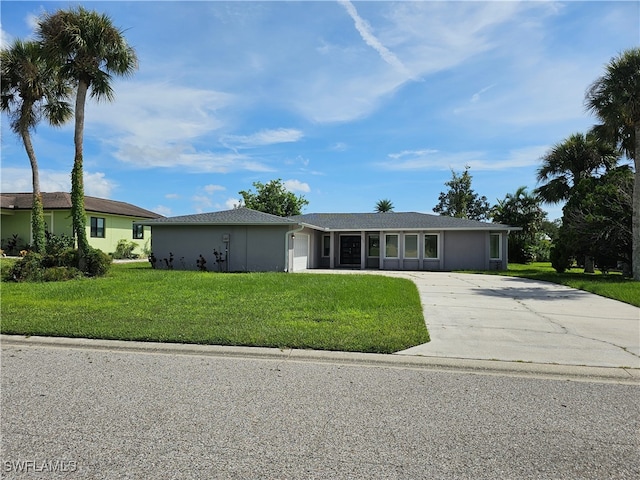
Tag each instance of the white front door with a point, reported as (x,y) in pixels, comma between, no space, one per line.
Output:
(300,252)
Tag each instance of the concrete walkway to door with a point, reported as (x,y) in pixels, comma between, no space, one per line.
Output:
(491,317)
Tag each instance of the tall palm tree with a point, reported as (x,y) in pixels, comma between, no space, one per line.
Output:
(578,156)
(615,99)
(89,50)
(30,91)
(384,206)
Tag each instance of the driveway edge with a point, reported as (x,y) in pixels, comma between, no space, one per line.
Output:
(482,367)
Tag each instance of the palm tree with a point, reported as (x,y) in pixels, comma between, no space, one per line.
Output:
(384,206)
(89,51)
(31,91)
(615,99)
(577,157)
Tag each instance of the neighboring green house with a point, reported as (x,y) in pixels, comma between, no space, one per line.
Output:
(108,221)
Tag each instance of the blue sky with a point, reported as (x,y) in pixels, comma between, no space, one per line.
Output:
(346,102)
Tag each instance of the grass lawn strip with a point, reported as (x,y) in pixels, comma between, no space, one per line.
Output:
(361,313)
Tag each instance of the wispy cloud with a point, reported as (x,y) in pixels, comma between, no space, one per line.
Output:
(366,32)
(96,184)
(262,138)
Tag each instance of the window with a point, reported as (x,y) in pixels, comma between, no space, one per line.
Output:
(97,227)
(374,246)
(495,246)
(431,246)
(138,231)
(326,245)
(411,246)
(391,246)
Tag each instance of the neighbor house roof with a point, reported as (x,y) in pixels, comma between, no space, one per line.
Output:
(237,216)
(62,201)
(393,221)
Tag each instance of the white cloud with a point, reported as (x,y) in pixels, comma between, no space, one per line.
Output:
(211,189)
(429,159)
(232,203)
(162,210)
(201,203)
(296,186)
(19,180)
(5,38)
(172,196)
(263,137)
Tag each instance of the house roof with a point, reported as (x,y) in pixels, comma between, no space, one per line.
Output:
(393,221)
(236,216)
(62,201)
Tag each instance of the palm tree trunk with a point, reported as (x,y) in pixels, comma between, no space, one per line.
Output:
(37,212)
(635,229)
(78,214)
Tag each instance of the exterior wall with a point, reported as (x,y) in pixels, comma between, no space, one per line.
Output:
(59,223)
(249,248)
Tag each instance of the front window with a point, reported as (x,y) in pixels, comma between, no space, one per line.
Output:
(411,246)
(431,246)
(138,232)
(374,246)
(391,246)
(495,246)
(97,227)
(326,245)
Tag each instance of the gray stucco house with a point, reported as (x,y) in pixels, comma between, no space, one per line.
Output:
(247,240)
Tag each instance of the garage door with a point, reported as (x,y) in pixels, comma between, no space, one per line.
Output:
(300,252)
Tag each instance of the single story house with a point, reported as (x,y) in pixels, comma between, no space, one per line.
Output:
(108,221)
(246,240)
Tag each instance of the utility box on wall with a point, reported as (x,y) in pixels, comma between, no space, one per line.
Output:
(225,237)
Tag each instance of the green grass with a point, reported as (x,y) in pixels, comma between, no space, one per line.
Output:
(364,313)
(611,286)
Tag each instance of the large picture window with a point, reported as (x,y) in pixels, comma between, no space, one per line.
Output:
(411,246)
(97,227)
(495,246)
(431,246)
(391,246)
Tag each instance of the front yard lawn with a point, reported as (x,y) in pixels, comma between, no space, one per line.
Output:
(362,313)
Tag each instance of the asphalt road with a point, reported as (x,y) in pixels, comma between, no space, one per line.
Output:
(153,415)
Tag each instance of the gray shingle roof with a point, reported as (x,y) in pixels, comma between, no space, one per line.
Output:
(62,201)
(237,216)
(393,220)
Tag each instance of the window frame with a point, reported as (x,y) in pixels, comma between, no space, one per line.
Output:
(95,228)
(424,252)
(326,246)
(135,234)
(370,238)
(417,246)
(387,236)
(491,236)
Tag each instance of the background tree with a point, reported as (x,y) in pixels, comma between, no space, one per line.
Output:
(273,198)
(461,201)
(578,156)
(384,206)
(31,91)
(615,99)
(596,220)
(521,209)
(88,50)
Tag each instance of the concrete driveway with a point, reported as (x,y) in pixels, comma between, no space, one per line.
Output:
(490,317)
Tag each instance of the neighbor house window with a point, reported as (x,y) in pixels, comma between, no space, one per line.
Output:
(431,245)
(326,245)
(138,231)
(374,246)
(411,246)
(97,227)
(391,246)
(495,246)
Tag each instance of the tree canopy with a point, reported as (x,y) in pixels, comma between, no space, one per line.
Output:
(273,198)
(384,206)
(460,200)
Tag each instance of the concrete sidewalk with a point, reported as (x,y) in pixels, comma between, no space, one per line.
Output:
(491,317)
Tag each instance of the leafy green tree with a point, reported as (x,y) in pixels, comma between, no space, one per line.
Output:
(578,156)
(384,206)
(615,99)
(31,91)
(88,50)
(521,209)
(460,200)
(273,198)
(597,219)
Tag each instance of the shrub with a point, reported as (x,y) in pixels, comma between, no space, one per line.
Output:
(560,258)
(62,258)
(28,269)
(57,244)
(98,262)
(60,274)
(124,250)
